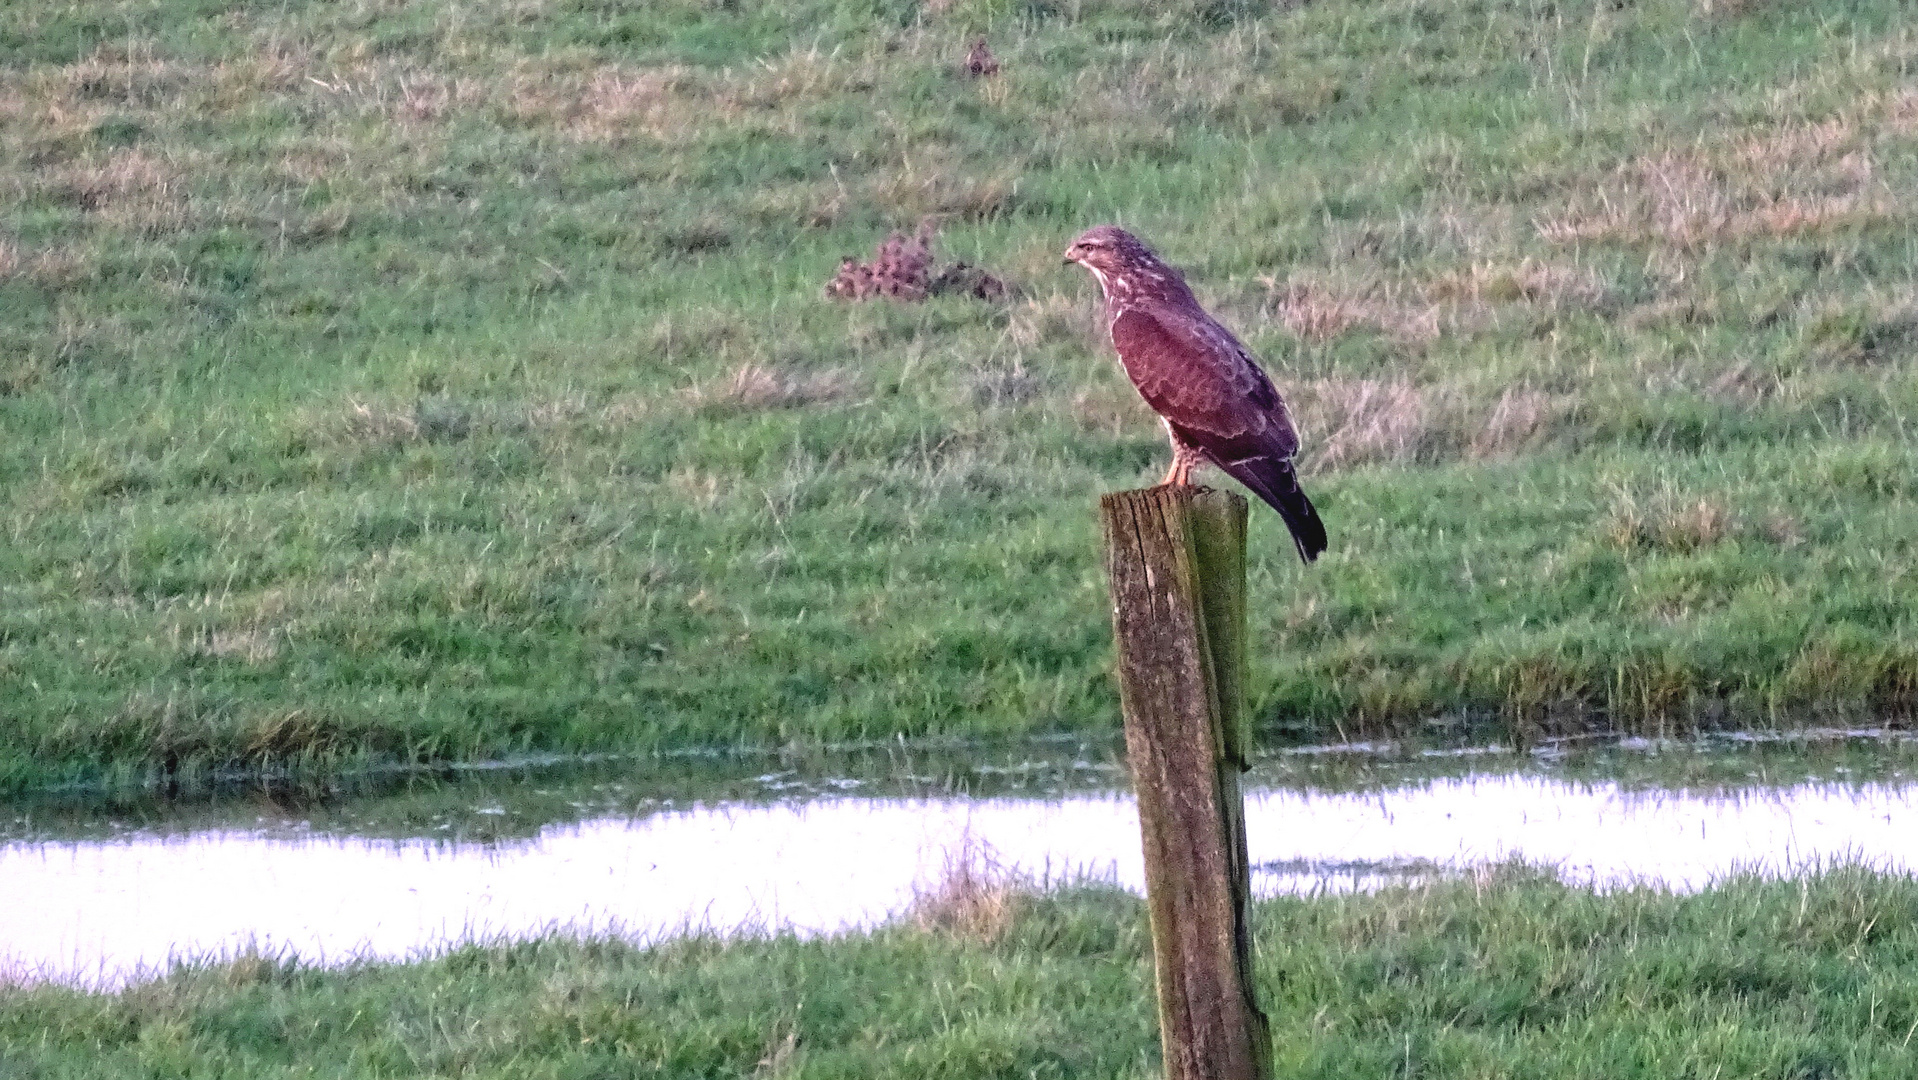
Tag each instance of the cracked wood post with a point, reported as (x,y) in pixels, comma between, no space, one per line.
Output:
(1176,561)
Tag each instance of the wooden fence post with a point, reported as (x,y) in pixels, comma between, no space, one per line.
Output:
(1176,561)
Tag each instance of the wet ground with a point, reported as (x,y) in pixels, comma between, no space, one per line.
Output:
(99,890)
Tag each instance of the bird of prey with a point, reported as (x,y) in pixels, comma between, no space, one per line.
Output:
(1217,405)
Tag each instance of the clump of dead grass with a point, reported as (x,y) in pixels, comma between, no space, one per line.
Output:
(1731,9)
(1413,312)
(782,1052)
(127,187)
(438,417)
(1533,281)
(1775,184)
(1782,528)
(1002,384)
(758,386)
(380,422)
(1364,420)
(1520,417)
(975,897)
(1315,312)
(1860,330)
(1349,422)
(940,185)
(1056,318)
(656,101)
(127,75)
(424,98)
(1741,384)
(1109,410)
(250,644)
(1667,522)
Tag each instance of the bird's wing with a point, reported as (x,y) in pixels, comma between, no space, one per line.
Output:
(1213,395)
(1193,372)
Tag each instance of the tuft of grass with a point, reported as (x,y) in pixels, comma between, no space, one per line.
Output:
(751,386)
(1685,527)
(974,896)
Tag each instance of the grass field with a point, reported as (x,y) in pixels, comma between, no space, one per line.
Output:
(1511,975)
(438,380)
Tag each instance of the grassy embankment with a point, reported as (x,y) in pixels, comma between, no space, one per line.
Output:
(1509,976)
(443,379)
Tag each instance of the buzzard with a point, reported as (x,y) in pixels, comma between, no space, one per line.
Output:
(1216,403)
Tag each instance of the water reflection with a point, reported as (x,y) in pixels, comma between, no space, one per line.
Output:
(102,908)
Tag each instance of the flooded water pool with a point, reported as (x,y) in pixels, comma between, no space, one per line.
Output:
(101,894)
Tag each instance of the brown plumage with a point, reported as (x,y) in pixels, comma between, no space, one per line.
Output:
(1217,405)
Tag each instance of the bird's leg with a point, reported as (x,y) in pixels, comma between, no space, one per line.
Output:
(1184,460)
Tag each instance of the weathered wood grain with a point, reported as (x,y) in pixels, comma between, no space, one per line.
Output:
(1176,561)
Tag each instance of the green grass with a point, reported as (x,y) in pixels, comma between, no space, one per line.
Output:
(1512,975)
(443,380)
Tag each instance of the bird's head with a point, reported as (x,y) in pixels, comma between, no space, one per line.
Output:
(1107,249)
(1122,263)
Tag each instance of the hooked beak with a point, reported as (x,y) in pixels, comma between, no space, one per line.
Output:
(1070,257)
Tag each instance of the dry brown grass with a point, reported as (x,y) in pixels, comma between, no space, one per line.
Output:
(1317,312)
(253,966)
(616,102)
(758,386)
(1867,329)
(380,422)
(1796,145)
(423,98)
(589,103)
(1778,180)
(1349,422)
(290,734)
(1532,281)
(1059,319)
(1782,528)
(1109,409)
(1414,312)
(782,1053)
(1521,416)
(975,897)
(1731,9)
(436,417)
(1667,522)
(252,644)
(9,258)
(1313,313)
(1363,420)
(127,75)
(1740,384)
(938,185)
(128,187)
(698,488)
(1002,384)
(1230,86)
(676,103)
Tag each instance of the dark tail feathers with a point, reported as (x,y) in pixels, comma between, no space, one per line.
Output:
(1273,480)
